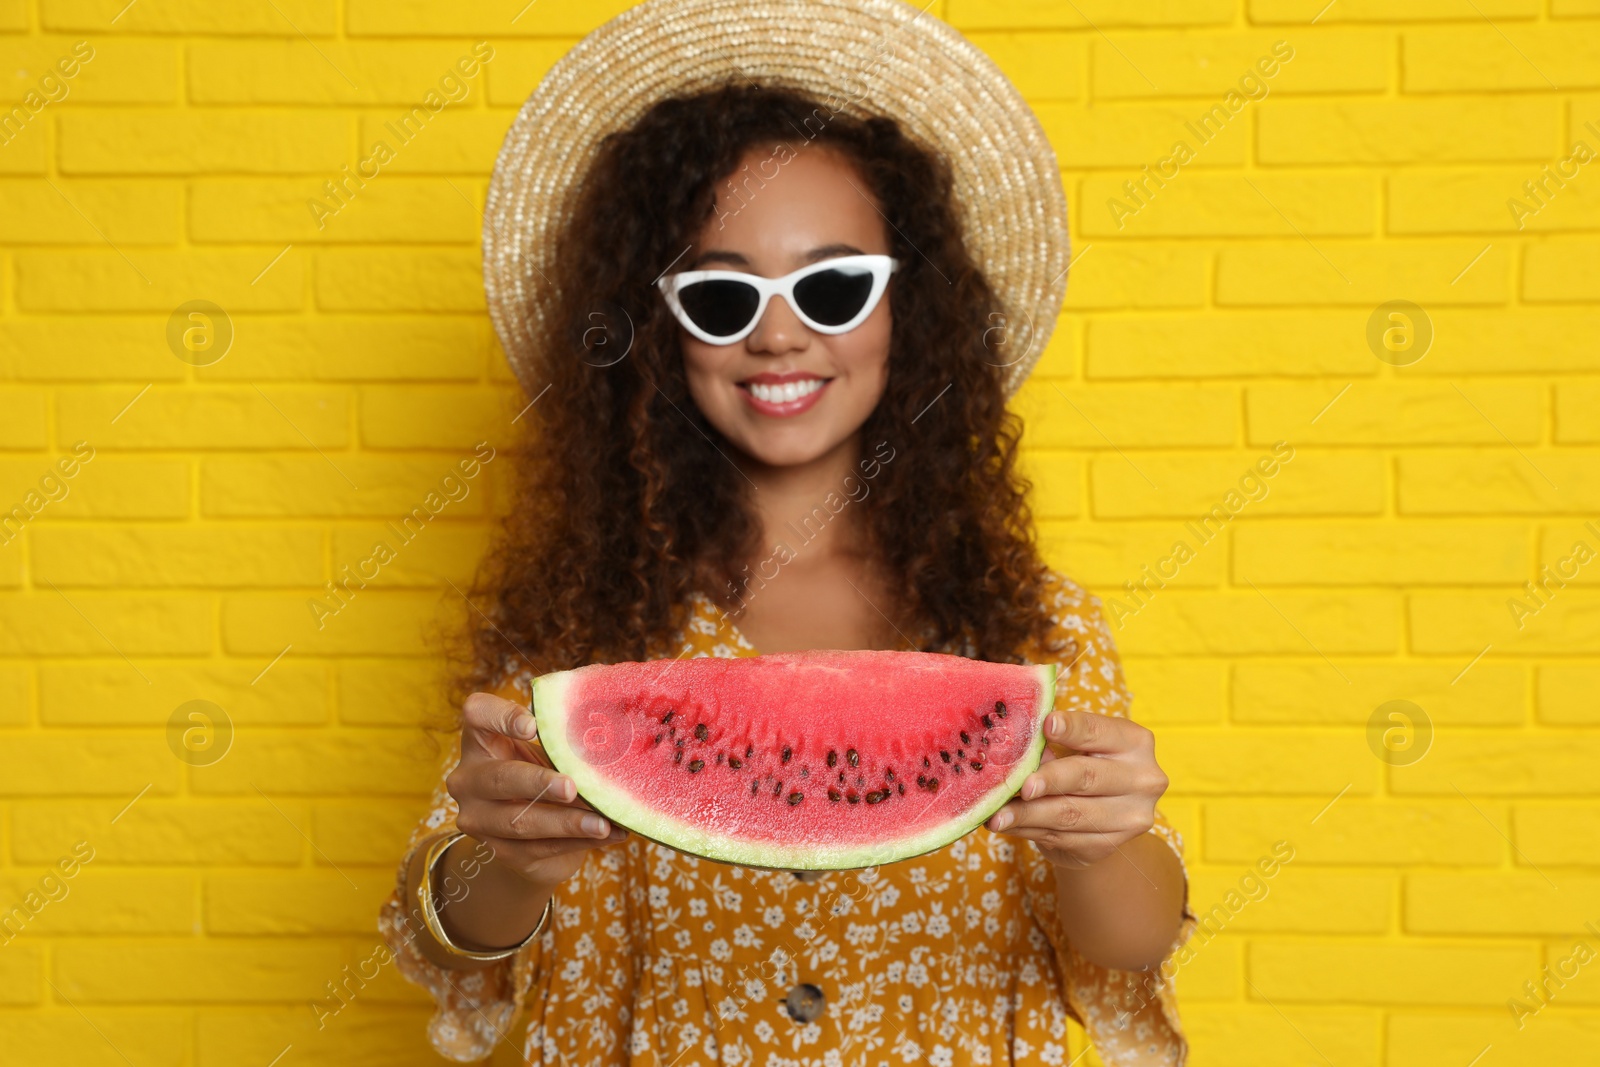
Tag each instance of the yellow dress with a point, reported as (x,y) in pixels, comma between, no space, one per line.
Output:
(657,958)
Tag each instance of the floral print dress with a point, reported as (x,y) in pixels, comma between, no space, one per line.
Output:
(657,958)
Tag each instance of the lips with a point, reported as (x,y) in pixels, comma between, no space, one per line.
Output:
(783,394)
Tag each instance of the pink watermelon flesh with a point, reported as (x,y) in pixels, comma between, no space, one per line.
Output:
(798,761)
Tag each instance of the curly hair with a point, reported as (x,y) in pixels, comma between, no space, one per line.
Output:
(625,503)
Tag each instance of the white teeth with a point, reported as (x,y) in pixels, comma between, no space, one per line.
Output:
(785,392)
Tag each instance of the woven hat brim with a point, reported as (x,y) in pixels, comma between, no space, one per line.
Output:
(861,58)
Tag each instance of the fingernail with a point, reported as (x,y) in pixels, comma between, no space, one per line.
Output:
(1002,820)
(565,789)
(595,826)
(526,726)
(1030,789)
(1055,724)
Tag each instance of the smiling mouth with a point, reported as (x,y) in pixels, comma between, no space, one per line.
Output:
(783,392)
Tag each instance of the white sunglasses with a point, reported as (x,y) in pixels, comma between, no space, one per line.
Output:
(833,296)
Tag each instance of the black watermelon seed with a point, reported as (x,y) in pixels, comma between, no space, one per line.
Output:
(1000,708)
(922,779)
(925,762)
(850,754)
(734,761)
(977,766)
(795,798)
(677,755)
(987,722)
(833,758)
(901,788)
(679,742)
(958,768)
(983,740)
(889,774)
(777,788)
(749,750)
(841,776)
(700,731)
(833,794)
(656,740)
(852,798)
(944,755)
(875,796)
(719,757)
(933,784)
(666,718)
(965,740)
(696,764)
(861,779)
(805,772)
(786,753)
(754,785)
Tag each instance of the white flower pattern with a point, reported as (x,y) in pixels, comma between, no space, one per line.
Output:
(954,957)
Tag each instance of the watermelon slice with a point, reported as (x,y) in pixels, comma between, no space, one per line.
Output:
(800,761)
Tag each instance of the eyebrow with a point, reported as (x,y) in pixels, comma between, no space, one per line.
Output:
(738,259)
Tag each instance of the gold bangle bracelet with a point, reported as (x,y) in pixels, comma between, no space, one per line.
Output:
(430,915)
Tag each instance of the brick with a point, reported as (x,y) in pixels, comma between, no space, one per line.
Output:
(207,418)
(1388,974)
(28,150)
(1548,763)
(1486,129)
(1215,65)
(1227,345)
(391,693)
(1494,201)
(1482,342)
(172,970)
(1561,269)
(106,487)
(1499,904)
(1213,972)
(96,764)
(1557,834)
(315,17)
(1554,1037)
(392,18)
(1057,479)
(1313,693)
(13,15)
(156,831)
(1169,691)
(361,831)
(400,74)
(393,763)
(400,281)
(1227,205)
(126,72)
(519,66)
(1303,11)
(441,551)
(21,978)
(150,1038)
(46,623)
(1456,623)
(16,695)
(1293,901)
(101,902)
(1566,694)
(365,1031)
(373,622)
(89,212)
(1567,548)
(1357,832)
(445,417)
(1188,486)
(1393,413)
(1418,552)
(1477,57)
(156,281)
(1106,555)
(1363,274)
(385,488)
(1060,358)
(1266,1037)
(112,695)
(453,142)
(355,348)
(1043,65)
(24,419)
(175,557)
(386,208)
(1023,14)
(1132,416)
(1578,412)
(1133,134)
(97,349)
(297,902)
(1213,762)
(201,142)
(1493,483)
(1149,276)
(1229,623)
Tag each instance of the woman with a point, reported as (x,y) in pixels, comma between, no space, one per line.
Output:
(684,436)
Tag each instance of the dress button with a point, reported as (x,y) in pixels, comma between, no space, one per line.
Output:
(805,1002)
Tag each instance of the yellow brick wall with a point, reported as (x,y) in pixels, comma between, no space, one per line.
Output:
(1224,311)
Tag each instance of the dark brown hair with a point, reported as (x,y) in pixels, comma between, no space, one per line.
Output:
(625,503)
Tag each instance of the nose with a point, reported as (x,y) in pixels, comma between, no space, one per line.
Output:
(780,330)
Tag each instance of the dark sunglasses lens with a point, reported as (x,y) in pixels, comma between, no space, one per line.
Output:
(834,297)
(719,306)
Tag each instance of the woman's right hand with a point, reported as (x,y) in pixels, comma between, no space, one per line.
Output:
(510,797)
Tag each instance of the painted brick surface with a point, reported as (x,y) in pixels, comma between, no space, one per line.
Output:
(1293,525)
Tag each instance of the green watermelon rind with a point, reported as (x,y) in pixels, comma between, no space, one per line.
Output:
(622,807)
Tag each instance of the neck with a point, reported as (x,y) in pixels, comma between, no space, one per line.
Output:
(807,506)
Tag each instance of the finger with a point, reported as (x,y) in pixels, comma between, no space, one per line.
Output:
(1087,731)
(1089,776)
(1087,815)
(515,853)
(486,715)
(511,820)
(507,779)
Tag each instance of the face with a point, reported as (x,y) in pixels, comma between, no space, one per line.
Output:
(785,394)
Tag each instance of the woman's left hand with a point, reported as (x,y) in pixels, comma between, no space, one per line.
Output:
(1081,807)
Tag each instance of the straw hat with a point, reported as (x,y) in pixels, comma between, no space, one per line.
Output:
(858,57)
